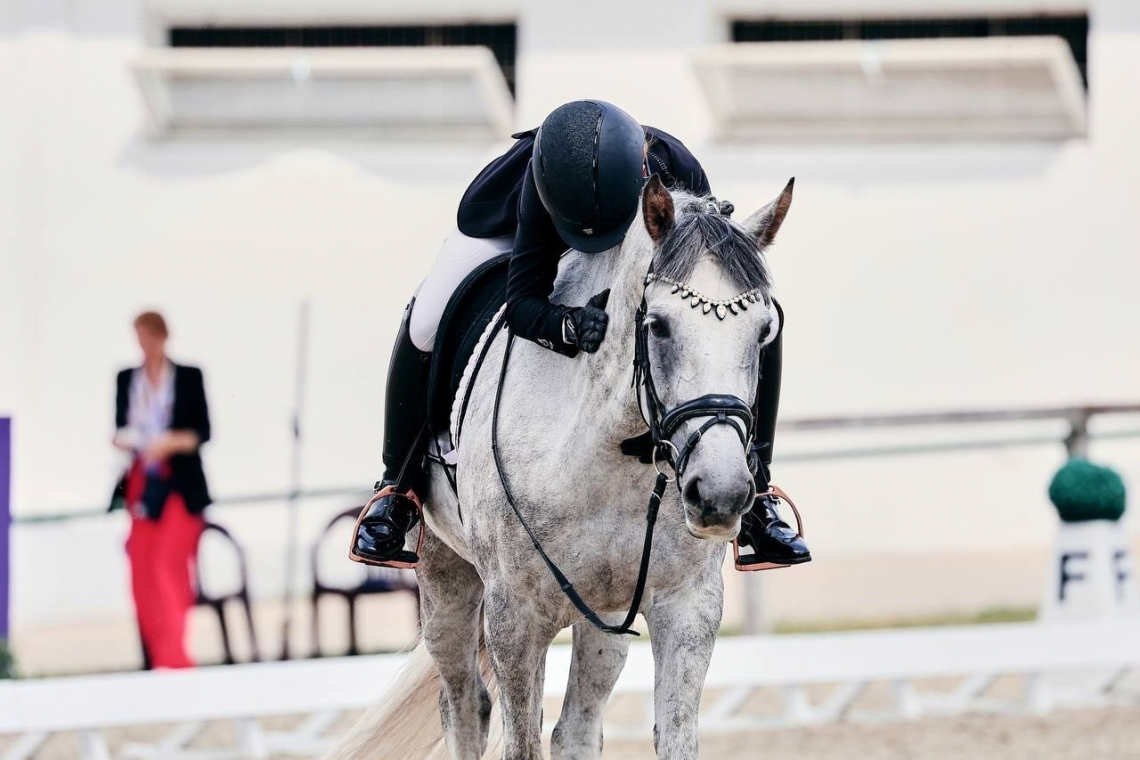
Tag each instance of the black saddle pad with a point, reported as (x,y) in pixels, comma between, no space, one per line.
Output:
(470,310)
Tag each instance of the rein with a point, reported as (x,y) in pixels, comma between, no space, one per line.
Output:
(721,409)
(564,582)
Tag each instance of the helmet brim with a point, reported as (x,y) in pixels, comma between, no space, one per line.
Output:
(597,243)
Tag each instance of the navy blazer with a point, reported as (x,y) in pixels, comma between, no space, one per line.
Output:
(190,412)
(502,200)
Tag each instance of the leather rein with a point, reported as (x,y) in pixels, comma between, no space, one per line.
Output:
(720,409)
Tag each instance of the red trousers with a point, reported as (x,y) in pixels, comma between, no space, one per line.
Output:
(162,554)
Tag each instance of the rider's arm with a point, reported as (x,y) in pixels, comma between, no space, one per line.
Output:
(533,269)
(534,262)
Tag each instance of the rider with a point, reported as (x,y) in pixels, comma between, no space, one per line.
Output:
(573,182)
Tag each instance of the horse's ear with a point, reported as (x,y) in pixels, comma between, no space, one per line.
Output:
(765,223)
(657,209)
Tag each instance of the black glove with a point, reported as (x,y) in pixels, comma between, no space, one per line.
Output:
(586,326)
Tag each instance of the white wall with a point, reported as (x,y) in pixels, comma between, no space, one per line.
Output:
(915,276)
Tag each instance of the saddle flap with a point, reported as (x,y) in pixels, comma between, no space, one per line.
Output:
(469,310)
(640,446)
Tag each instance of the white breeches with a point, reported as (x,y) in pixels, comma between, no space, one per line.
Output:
(457,258)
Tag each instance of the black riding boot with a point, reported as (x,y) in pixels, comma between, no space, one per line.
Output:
(765,540)
(395,509)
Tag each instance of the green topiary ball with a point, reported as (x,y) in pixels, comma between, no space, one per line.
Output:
(1084,491)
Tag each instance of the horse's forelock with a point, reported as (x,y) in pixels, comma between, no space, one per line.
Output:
(700,232)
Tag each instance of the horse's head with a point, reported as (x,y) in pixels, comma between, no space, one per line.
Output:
(708,314)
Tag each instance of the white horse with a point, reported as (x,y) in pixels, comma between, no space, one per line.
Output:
(705,315)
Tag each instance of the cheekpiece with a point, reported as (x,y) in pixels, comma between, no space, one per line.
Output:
(722,307)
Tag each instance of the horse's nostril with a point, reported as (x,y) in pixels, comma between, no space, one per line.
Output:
(692,493)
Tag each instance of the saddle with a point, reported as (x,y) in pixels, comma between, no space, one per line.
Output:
(470,309)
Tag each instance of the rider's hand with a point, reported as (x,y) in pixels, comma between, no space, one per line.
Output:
(590,322)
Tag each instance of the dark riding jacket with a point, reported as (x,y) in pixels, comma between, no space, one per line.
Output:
(502,200)
(189,412)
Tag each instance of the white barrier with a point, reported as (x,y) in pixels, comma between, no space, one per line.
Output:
(323,689)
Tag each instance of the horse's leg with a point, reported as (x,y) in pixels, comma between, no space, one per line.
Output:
(452,594)
(682,631)
(597,662)
(518,635)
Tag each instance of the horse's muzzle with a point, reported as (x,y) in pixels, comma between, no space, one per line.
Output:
(713,506)
(722,532)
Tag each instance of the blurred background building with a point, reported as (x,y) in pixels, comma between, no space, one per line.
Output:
(963,237)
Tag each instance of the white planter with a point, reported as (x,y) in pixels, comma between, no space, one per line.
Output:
(1091,575)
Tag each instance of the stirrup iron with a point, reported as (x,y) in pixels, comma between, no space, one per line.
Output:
(779,494)
(408,563)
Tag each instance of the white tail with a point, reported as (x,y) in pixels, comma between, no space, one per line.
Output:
(405,723)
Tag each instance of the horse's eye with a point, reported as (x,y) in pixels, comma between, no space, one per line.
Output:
(764,333)
(659,327)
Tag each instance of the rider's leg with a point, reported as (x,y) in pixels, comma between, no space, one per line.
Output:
(768,404)
(770,541)
(381,530)
(457,258)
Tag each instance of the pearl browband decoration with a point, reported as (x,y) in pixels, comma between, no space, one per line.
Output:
(734,305)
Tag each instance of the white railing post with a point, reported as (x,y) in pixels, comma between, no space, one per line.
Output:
(906,700)
(26,746)
(94,747)
(251,739)
(755,620)
(798,708)
(1037,695)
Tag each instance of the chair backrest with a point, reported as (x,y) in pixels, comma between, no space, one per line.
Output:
(220,572)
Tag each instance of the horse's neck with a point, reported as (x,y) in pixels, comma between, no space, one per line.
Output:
(603,380)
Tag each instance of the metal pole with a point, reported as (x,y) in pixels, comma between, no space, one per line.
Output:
(1077,442)
(755,619)
(5,519)
(291,540)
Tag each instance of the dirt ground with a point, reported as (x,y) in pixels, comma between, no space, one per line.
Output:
(1107,734)
(1102,734)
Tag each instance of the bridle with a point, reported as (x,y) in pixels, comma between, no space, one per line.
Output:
(720,409)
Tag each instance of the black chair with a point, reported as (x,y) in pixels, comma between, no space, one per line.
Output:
(218,603)
(374,580)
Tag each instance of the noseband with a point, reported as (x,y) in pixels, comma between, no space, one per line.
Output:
(720,409)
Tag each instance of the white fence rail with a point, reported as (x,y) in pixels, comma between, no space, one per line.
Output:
(1047,656)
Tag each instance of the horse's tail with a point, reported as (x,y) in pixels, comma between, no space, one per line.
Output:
(406,723)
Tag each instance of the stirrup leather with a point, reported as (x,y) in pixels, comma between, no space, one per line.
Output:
(400,564)
(779,493)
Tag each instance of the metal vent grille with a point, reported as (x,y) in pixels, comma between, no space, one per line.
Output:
(1073,29)
(500,38)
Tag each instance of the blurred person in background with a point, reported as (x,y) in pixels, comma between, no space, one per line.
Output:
(574,182)
(161,421)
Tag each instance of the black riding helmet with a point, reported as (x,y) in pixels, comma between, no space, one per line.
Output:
(588,166)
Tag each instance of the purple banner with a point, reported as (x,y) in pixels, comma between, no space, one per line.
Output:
(5,518)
